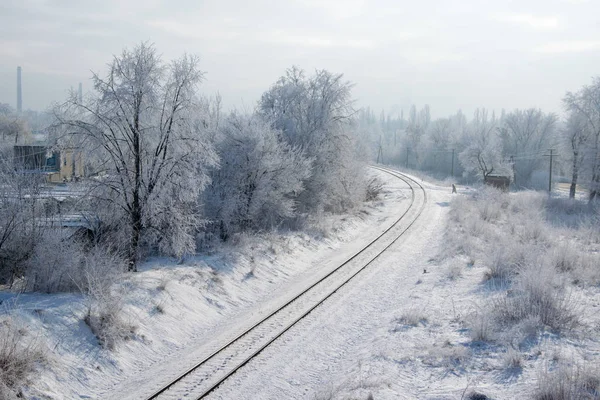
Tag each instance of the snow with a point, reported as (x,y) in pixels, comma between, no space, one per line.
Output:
(181,310)
(395,331)
(340,336)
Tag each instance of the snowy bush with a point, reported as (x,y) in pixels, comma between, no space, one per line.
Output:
(105,317)
(536,294)
(374,189)
(481,326)
(54,265)
(512,359)
(19,354)
(411,317)
(60,264)
(259,177)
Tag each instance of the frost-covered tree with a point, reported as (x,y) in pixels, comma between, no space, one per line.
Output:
(141,126)
(315,114)
(525,135)
(20,205)
(12,126)
(482,153)
(259,177)
(418,125)
(586,102)
(575,139)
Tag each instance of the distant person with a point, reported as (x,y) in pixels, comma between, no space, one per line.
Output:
(453,188)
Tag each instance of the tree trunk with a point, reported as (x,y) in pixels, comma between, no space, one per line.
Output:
(574,177)
(136,207)
(136,228)
(595,183)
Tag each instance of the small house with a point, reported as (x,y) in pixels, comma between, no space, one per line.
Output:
(497,181)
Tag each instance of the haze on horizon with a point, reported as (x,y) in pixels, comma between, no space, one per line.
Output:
(502,54)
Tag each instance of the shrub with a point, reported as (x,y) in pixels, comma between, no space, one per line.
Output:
(500,266)
(53,265)
(62,265)
(564,258)
(105,305)
(411,317)
(373,189)
(480,327)
(535,295)
(512,359)
(105,318)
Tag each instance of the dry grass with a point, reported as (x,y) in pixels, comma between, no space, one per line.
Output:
(568,382)
(19,354)
(411,317)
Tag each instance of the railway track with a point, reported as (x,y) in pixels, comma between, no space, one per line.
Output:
(210,372)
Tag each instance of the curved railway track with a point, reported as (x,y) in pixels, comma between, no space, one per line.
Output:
(210,372)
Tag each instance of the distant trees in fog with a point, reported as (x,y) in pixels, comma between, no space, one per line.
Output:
(515,144)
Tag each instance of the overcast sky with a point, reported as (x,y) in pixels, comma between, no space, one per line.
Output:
(449,54)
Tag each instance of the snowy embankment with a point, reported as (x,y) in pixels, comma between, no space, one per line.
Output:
(170,308)
(506,306)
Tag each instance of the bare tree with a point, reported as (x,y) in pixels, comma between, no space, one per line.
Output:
(140,123)
(20,206)
(586,102)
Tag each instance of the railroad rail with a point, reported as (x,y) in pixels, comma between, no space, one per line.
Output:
(209,373)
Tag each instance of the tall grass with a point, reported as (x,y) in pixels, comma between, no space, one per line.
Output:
(19,354)
(525,242)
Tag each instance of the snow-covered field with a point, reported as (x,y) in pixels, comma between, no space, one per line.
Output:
(174,308)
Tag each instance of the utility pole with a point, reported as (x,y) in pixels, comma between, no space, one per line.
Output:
(380,152)
(550,177)
(551,155)
(452,170)
(512,162)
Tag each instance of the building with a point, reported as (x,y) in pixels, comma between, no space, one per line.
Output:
(58,165)
(497,181)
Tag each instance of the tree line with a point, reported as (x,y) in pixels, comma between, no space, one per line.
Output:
(515,144)
(169,170)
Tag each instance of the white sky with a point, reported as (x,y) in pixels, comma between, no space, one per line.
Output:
(449,54)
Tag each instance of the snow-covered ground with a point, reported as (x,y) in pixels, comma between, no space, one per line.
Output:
(406,328)
(176,308)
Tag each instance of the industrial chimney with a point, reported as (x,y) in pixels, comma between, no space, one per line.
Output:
(19,93)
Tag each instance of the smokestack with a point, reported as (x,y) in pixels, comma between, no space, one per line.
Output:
(80,94)
(19,94)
